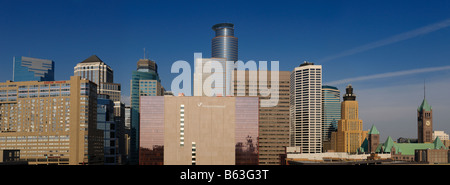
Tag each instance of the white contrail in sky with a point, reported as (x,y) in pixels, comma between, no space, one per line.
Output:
(391,40)
(391,74)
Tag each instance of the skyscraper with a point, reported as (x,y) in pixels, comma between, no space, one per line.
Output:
(144,82)
(224,44)
(33,69)
(331,110)
(95,70)
(212,76)
(306,108)
(350,134)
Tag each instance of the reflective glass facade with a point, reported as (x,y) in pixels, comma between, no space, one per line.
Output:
(151,147)
(224,44)
(246,131)
(136,92)
(331,110)
(106,123)
(33,69)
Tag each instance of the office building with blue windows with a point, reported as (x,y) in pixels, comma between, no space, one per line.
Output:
(144,82)
(106,123)
(33,69)
(331,110)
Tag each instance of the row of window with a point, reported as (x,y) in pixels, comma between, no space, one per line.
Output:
(182,125)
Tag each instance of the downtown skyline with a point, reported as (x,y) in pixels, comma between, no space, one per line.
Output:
(291,33)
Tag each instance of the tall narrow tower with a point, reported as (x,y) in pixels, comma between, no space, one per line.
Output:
(306,108)
(224,44)
(424,122)
(144,82)
(373,138)
(350,134)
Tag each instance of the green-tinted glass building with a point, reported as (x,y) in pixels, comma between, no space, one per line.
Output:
(331,110)
(144,82)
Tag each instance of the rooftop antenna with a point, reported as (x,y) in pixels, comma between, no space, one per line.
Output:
(423,88)
(144,53)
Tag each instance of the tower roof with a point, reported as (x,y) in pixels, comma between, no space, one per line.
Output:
(349,95)
(329,87)
(93,58)
(408,148)
(438,144)
(147,64)
(364,146)
(388,144)
(374,130)
(222,25)
(305,63)
(424,106)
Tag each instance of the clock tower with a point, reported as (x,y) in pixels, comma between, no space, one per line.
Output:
(424,123)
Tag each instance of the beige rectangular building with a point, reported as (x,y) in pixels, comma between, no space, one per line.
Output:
(198,130)
(273,121)
(51,122)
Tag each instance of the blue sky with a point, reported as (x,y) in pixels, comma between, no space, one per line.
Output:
(290,32)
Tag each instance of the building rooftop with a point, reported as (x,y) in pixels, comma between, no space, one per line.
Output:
(373,130)
(424,106)
(407,148)
(92,59)
(305,63)
(329,87)
(222,25)
(349,95)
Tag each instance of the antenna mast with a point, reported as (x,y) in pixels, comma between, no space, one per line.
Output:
(423,88)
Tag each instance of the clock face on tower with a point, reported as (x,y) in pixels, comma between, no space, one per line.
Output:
(427,123)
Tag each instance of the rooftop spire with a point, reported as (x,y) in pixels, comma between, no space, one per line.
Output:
(423,88)
(424,106)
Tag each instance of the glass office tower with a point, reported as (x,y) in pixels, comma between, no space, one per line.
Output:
(144,82)
(224,44)
(106,123)
(33,69)
(331,110)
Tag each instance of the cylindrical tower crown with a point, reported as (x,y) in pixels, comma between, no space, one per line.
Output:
(224,29)
(224,44)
